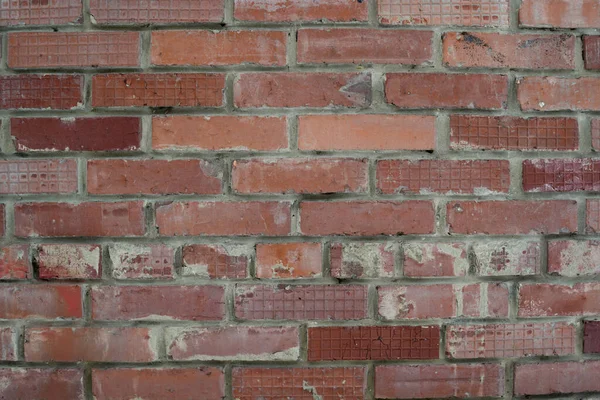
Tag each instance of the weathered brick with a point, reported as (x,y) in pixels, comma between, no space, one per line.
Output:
(14,260)
(296,383)
(510,340)
(156,12)
(366,132)
(223,218)
(34,12)
(40,302)
(42,383)
(58,92)
(592,220)
(558,377)
(126,303)
(182,132)
(158,90)
(439,381)
(438,90)
(233,343)
(76,134)
(560,13)
(300,10)
(473,132)
(131,176)
(361,260)
(332,343)
(158,383)
(507,257)
(69,261)
(294,89)
(443,176)
(288,260)
(153,261)
(38,176)
(544,299)
(8,345)
(435,259)
(2,220)
(300,175)
(561,175)
(501,50)
(360,46)
(595,134)
(83,219)
(368,217)
(512,217)
(483,300)
(591,52)
(591,337)
(444,12)
(108,344)
(574,257)
(316,302)
(218,48)
(216,261)
(549,93)
(73,49)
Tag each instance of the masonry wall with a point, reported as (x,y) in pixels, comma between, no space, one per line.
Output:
(308,199)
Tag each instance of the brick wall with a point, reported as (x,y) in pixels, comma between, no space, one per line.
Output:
(307,199)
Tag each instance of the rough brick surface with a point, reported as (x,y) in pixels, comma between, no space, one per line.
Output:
(591,337)
(288,260)
(58,92)
(559,377)
(14,262)
(507,257)
(591,52)
(23,301)
(216,261)
(557,299)
(137,11)
(32,12)
(38,176)
(154,261)
(300,10)
(574,258)
(42,383)
(560,13)
(361,260)
(69,261)
(548,93)
(435,259)
(561,175)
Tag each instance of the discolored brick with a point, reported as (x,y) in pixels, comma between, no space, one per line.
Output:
(435,259)
(142,12)
(592,220)
(153,261)
(574,257)
(561,175)
(8,345)
(14,260)
(69,261)
(507,257)
(216,261)
(35,12)
(361,260)
(288,260)
(38,176)
(300,10)
(545,299)
(550,93)
(42,383)
(591,52)
(556,378)
(560,13)
(591,337)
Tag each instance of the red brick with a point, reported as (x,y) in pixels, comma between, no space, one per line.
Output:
(435,259)
(158,90)
(366,132)
(233,343)
(2,220)
(59,92)
(560,13)
(182,132)
(591,337)
(38,176)
(223,218)
(360,46)
(473,132)
(76,134)
(483,300)
(443,176)
(175,11)
(8,345)
(14,261)
(592,221)
(445,12)
(83,219)
(300,175)
(131,176)
(417,302)
(288,260)
(512,217)
(574,257)
(439,381)
(34,12)
(507,257)
(153,261)
(297,383)
(596,134)
(158,383)
(510,340)
(548,93)
(218,48)
(126,303)
(300,10)
(561,175)
(108,344)
(436,90)
(500,50)
(591,52)
(73,49)
(40,302)
(69,261)
(216,261)
(317,302)
(541,300)
(41,383)
(292,89)
(369,218)
(559,377)
(330,343)
(362,260)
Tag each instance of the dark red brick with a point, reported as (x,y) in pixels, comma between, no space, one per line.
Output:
(59,92)
(591,337)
